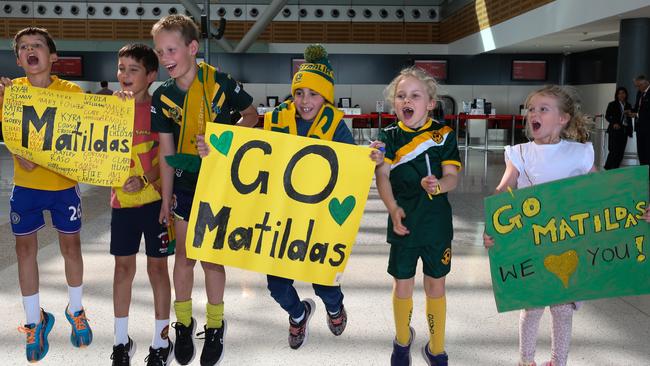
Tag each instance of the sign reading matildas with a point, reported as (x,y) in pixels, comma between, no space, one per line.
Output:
(85,137)
(280,204)
(573,239)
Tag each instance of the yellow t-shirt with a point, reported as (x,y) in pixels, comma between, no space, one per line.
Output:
(41,178)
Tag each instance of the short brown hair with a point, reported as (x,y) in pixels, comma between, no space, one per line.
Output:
(142,54)
(29,31)
(180,23)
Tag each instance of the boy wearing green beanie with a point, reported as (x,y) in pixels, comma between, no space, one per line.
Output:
(310,114)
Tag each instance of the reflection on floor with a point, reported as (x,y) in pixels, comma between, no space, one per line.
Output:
(606,332)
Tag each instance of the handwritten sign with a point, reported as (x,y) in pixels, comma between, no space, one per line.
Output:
(85,137)
(575,239)
(279,204)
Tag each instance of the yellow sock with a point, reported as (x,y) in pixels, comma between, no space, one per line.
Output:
(402,310)
(183,311)
(214,315)
(436,316)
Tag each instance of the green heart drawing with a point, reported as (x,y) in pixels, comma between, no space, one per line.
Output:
(222,143)
(341,211)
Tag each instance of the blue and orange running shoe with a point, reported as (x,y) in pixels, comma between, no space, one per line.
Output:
(81,335)
(37,346)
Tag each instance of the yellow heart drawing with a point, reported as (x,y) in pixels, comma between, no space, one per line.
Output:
(563,265)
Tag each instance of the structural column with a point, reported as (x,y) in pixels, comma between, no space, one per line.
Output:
(633,53)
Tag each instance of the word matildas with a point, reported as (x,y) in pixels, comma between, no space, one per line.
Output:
(560,228)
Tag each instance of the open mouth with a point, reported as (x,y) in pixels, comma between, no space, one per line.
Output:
(32,60)
(407,112)
(536,126)
(170,68)
(126,84)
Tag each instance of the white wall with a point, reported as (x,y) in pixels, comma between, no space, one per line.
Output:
(595,98)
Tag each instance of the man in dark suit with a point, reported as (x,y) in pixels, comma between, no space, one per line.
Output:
(642,123)
(619,128)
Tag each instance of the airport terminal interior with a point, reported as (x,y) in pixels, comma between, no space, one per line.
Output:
(486,55)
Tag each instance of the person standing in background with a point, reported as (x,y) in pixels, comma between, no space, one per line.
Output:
(619,128)
(104,90)
(642,123)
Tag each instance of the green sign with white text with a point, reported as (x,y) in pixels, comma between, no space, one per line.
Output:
(573,239)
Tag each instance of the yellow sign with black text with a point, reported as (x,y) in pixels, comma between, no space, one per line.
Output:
(85,137)
(279,204)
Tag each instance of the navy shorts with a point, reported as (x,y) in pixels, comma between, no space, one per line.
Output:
(128,225)
(28,204)
(182,204)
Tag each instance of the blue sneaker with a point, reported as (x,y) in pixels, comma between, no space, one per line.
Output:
(401,355)
(81,335)
(434,360)
(37,345)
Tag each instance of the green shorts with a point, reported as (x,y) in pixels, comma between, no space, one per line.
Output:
(436,260)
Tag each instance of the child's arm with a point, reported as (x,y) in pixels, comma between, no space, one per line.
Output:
(382,173)
(509,180)
(4,83)
(248,117)
(165,149)
(447,183)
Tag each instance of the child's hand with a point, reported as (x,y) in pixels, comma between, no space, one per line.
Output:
(430,184)
(488,242)
(26,164)
(646,215)
(133,184)
(123,94)
(165,213)
(396,215)
(201,146)
(377,153)
(4,83)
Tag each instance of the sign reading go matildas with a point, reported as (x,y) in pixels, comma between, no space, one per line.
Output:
(280,204)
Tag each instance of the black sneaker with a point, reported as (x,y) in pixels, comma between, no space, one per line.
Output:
(213,347)
(401,355)
(298,332)
(184,351)
(122,353)
(160,356)
(337,322)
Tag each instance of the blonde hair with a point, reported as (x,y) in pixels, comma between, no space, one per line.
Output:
(415,72)
(179,23)
(568,101)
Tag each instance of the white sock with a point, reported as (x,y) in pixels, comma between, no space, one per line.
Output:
(121,330)
(32,306)
(160,338)
(74,296)
(300,318)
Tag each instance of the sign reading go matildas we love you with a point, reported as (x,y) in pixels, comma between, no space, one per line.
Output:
(279,204)
(574,239)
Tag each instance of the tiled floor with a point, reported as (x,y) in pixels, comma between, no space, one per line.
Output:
(606,332)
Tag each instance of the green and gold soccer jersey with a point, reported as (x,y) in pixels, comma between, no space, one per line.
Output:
(428,220)
(167,112)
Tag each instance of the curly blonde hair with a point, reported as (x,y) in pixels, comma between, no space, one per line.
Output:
(429,82)
(568,101)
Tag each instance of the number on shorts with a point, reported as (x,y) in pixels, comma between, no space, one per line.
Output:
(76,213)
